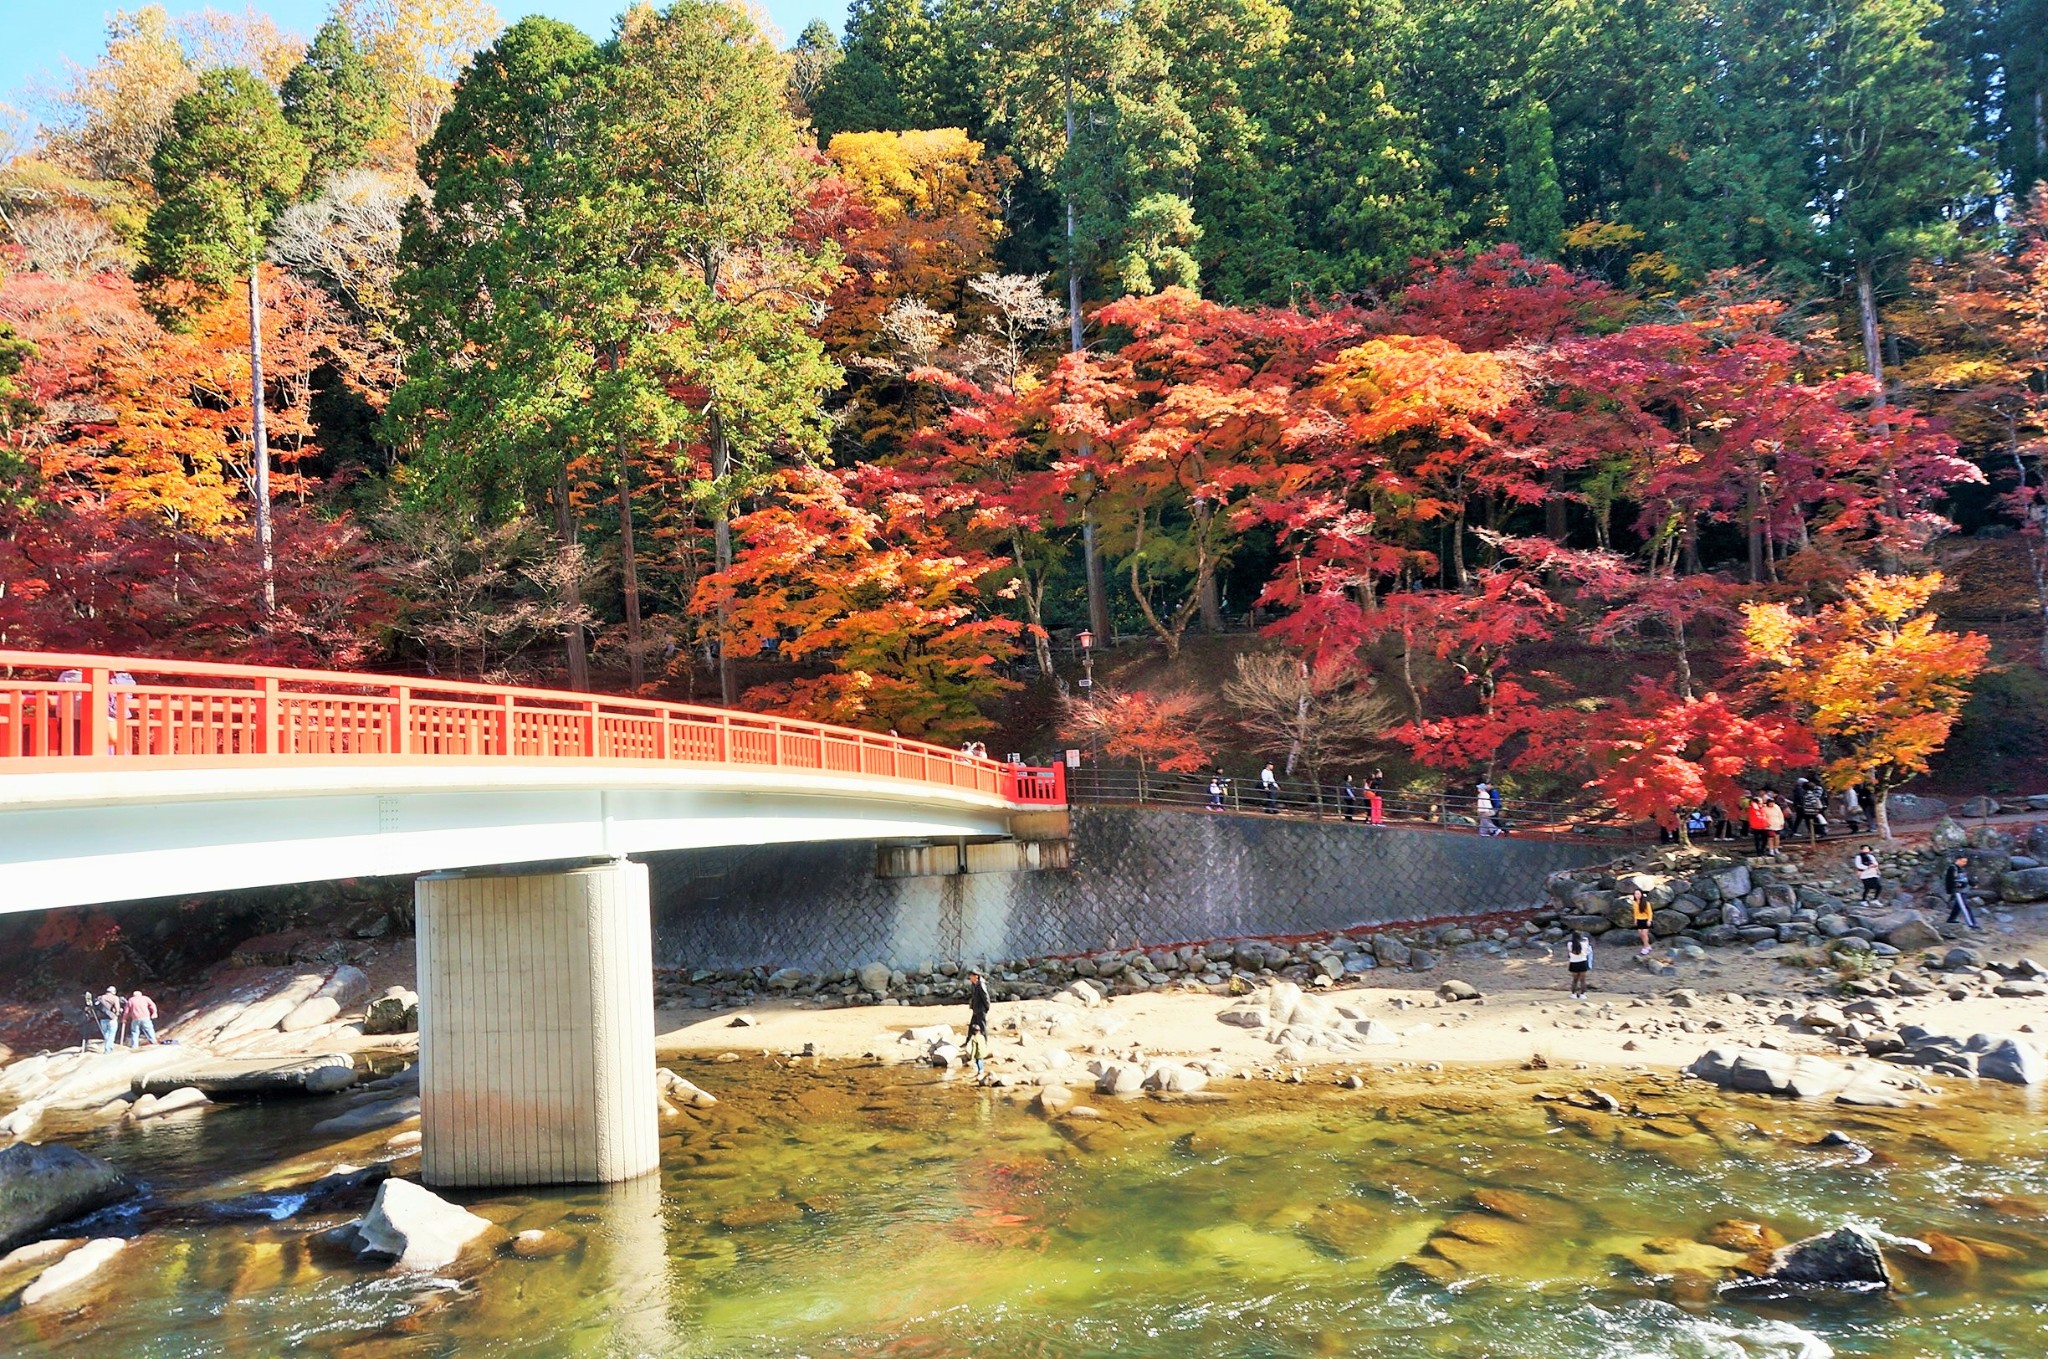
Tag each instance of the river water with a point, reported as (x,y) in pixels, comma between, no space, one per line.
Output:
(881,1211)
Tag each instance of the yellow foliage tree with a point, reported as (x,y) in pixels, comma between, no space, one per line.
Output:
(1878,681)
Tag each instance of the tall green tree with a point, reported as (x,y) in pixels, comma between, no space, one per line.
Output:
(498,371)
(1891,153)
(335,100)
(699,157)
(906,64)
(229,163)
(1353,191)
(1530,191)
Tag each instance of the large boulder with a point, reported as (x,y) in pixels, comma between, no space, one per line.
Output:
(347,986)
(874,979)
(1904,807)
(396,1011)
(252,1077)
(1847,1257)
(1979,806)
(415,1228)
(2003,1057)
(1912,933)
(2024,884)
(1947,835)
(42,1185)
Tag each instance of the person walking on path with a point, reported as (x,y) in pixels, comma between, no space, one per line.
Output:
(1956,882)
(1774,825)
(1348,795)
(1759,823)
(1813,811)
(1798,802)
(1217,787)
(139,1016)
(107,1010)
(1269,784)
(1578,959)
(977,1005)
(1486,805)
(1640,915)
(1376,810)
(1868,874)
(1852,809)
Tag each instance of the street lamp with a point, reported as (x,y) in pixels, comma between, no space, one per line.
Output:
(1087,641)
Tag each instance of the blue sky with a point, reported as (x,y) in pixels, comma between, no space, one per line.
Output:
(38,36)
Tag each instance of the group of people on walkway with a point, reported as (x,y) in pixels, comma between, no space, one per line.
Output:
(1769,816)
(114,1020)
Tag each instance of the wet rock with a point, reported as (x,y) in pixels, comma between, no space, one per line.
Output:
(160,1106)
(1741,1234)
(679,1092)
(396,1011)
(1118,1078)
(68,1273)
(253,1077)
(540,1244)
(1847,1258)
(1053,1100)
(42,1185)
(370,1117)
(415,1228)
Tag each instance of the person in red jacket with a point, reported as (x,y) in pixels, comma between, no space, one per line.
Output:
(138,1016)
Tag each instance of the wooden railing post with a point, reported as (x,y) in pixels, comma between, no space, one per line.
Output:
(94,739)
(590,751)
(401,716)
(507,728)
(267,718)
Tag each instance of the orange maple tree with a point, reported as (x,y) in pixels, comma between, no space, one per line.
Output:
(1878,681)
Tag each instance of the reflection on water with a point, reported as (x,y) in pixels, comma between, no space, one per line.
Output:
(881,1212)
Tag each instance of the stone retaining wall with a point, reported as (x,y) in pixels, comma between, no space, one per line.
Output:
(1139,876)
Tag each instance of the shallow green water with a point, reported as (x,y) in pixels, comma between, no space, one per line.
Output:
(877,1212)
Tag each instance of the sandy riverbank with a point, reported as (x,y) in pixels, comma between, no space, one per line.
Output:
(1737,998)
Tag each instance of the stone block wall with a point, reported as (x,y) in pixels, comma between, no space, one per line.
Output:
(1139,876)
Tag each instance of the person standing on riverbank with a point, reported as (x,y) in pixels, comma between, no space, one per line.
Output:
(138,1016)
(978,1001)
(1578,959)
(1956,883)
(1640,916)
(1868,874)
(107,1010)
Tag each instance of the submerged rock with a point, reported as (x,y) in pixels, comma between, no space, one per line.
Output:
(70,1271)
(42,1185)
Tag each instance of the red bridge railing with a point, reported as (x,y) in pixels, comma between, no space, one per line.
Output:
(65,711)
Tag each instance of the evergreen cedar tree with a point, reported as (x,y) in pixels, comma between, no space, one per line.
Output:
(1311,304)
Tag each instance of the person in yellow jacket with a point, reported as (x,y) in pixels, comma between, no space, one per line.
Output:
(1640,913)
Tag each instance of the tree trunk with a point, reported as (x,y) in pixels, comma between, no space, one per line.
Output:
(1684,659)
(629,576)
(572,587)
(1098,596)
(259,443)
(1754,511)
(1034,608)
(721,537)
(1881,815)
(1208,598)
(1408,674)
(1866,313)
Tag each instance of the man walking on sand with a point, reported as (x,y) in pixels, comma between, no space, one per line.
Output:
(977,1005)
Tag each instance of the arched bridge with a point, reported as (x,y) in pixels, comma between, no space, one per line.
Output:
(123,777)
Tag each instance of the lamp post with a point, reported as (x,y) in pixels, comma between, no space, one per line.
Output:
(1087,641)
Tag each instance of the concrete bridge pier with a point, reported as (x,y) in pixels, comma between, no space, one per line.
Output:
(536,1025)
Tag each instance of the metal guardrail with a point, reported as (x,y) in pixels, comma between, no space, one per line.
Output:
(1297,798)
(61,711)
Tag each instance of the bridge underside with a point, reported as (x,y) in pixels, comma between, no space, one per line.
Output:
(103,837)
